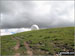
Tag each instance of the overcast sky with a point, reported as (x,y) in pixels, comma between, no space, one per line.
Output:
(46,14)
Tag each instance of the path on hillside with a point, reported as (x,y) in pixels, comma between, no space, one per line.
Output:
(29,51)
(17,46)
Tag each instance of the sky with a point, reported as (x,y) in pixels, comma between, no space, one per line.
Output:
(45,14)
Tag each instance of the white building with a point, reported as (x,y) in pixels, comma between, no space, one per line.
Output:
(34,27)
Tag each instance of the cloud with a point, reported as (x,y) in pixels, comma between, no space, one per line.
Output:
(13,31)
(46,14)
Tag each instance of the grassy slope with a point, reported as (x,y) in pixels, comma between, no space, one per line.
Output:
(46,41)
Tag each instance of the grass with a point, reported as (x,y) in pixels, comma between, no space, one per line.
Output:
(42,42)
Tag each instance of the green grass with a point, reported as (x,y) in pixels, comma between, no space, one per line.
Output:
(44,41)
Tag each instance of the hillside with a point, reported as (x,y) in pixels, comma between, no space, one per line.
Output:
(39,42)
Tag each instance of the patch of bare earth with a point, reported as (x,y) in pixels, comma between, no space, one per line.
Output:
(29,51)
(16,48)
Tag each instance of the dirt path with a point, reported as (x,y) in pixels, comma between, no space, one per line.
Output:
(17,54)
(29,52)
(17,46)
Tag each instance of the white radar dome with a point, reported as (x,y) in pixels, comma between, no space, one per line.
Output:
(34,27)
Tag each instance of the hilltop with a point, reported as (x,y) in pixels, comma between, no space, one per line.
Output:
(39,42)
